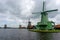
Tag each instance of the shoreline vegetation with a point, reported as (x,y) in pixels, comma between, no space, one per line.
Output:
(45,31)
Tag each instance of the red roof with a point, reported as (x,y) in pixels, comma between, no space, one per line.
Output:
(57,26)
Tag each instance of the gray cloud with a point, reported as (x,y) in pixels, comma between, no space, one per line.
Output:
(14,8)
(22,10)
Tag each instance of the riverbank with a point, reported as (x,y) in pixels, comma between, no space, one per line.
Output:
(50,31)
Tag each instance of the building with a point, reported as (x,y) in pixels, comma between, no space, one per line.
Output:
(57,26)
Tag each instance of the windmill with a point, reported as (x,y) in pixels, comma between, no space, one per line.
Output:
(29,24)
(45,23)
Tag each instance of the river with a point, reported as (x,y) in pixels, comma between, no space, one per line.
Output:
(24,34)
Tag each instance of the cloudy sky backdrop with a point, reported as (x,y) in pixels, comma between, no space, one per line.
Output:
(16,12)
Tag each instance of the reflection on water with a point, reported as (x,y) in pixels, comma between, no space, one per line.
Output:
(45,36)
(23,34)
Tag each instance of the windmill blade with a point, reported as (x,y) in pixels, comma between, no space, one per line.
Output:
(36,13)
(51,10)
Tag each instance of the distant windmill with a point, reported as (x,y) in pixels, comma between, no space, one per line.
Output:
(5,26)
(29,24)
(45,23)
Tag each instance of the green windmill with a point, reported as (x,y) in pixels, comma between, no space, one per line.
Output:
(45,23)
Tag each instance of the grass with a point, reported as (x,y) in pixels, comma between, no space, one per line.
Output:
(51,31)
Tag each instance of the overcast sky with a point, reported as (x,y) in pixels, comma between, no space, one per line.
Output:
(17,12)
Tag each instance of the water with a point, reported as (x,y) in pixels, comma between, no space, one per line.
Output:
(24,34)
